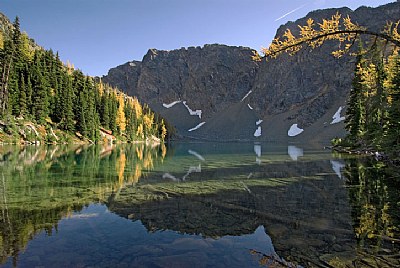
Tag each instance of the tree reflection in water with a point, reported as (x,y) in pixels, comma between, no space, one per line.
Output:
(374,191)
(41,185)
(318,209)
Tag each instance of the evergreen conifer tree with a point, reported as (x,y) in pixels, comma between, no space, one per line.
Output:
(37,85)
(28,93)
(23,98)
(105,111)
(392,133)
(40,103)
(113,111)
(66,107)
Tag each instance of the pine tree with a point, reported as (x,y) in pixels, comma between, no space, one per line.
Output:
(88,122)
(16,36)
(60,82)
(113,102)
(23,106)
(13,101)
(392,83)
(40,99)
(78,83)
(105,111)
(29,94)
(378,111)
(98,91)
(130,120)
(93,122)
(66,105)
(82,124)
(6,68)
(16,65)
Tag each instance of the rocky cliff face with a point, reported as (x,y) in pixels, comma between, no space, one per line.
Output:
(233,92)
(5,25)
(209,77)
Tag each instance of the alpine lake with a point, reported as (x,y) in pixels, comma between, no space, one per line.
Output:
(196,205)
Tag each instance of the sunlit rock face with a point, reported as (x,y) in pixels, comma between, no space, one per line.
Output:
(305,89)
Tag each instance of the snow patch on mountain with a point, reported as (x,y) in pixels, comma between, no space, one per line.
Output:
(197,127)
(294,130)
(171,104)
(248,93)
(336,117)
(191,112)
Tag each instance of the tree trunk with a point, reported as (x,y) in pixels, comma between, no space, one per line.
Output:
(4,87)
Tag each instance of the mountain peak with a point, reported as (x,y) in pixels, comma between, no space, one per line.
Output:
(232,91)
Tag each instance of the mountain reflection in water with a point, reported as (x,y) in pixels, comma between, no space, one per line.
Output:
(195,204)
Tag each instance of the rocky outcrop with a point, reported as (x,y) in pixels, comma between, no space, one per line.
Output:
(306,89)
(5,25)
(125,77)
(208,78)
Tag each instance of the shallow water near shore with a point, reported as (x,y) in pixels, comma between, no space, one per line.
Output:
(196,205)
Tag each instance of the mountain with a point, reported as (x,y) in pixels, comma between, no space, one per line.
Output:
(231,93)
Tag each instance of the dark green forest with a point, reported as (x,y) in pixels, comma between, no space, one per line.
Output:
(36,86)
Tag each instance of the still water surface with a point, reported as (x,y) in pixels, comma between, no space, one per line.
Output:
(196,205)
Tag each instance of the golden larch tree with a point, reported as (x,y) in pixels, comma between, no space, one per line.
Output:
(121,120)
(1,40)
(138,108)
(338,28)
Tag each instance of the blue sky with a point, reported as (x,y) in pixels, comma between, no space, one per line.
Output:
(96,35)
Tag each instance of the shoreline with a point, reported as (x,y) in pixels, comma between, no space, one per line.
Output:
(378,156)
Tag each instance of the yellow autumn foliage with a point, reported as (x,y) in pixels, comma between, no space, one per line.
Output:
(391,69)
(139,132)
(137,174)
(121,120)
(100,88)
(148,161)
(368,74)
(163,151)
(139,153)
(120,168)
(337,28)
(1,40)
(137,107)
(368,224)
(163,130)
(27,49)
(148,122)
